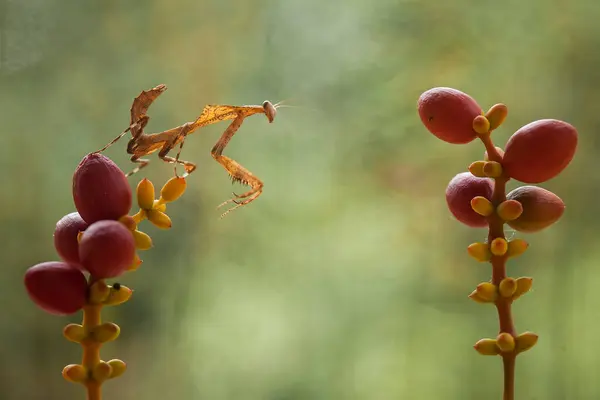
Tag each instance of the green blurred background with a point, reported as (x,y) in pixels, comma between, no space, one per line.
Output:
(347,278)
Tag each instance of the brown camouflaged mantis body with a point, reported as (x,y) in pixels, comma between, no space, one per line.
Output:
(142,144)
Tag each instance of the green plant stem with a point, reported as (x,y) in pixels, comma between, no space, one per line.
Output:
(503,304)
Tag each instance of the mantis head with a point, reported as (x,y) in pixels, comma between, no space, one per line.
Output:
(270,110)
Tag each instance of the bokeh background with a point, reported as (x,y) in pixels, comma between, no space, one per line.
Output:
(347,278)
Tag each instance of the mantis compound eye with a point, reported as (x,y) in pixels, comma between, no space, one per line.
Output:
(270,110)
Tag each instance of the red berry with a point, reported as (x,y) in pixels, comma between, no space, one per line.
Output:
(56,287)
(541,208)
(448,114)
(106,249)
(459,193)
(100,189)
(540,150)
(65,237)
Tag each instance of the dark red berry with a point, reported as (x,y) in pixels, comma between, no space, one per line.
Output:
(106,249)
(459,193)
(65,237)
(448,114)
(100,189)
(56,287)
(541,208)
(540,150)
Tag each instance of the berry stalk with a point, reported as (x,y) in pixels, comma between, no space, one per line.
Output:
(495,233)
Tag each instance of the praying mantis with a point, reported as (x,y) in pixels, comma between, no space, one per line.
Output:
(142,144)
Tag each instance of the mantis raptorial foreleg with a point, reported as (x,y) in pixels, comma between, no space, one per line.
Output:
(237,172)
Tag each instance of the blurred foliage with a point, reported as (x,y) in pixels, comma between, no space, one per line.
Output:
(347,279)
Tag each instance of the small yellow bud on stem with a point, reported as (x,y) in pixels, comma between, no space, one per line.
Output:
(492,169)
(481,125)
(99,291)
(118,368)
(486,291)
(523,286)
(145,194)
(476,169)
(525,341)
(507,287)
(107,332)
(173,189)
(142,240)
(516,247)
(74,333)
(159,219)
(487,347)
(102,371)
(496,115)
(74,373)
(509,210)
(505,342)
(119,294)
(482,206)
(499,246)
(480,252)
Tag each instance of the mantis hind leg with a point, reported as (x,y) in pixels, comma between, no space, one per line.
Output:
(141,164)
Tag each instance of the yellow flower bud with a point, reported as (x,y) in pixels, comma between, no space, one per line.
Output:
(173,189)
(74,333)
(119,294)
(480,252)
(487,347)
(516,247)
(482,206)
(107,332)
(523,286)
(498,247)
(481,125)
(509,210)
(118,367)
(102,371)
(159,219)
(496,115)
(526,341)
(98,292)
(74,373)
(486,291)
(476,298)
(507,287)
(505,342)
(145,194)
(142,240)
(492,169)
(476,169)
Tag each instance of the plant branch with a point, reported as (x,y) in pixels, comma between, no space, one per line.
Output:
(503,304)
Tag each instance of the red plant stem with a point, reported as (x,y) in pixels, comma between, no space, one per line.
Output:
(91,350)
(503,304)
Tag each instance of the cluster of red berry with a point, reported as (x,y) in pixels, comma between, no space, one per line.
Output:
(535,153)
(98,242)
